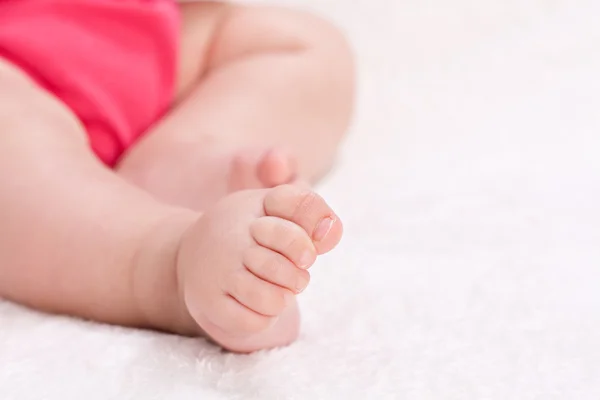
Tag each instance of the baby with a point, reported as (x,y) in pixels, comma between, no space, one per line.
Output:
(150,158)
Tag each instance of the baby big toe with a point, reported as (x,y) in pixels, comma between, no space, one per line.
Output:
(276,168)
(308,210)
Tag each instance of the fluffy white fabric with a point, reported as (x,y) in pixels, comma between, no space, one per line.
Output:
(470,189)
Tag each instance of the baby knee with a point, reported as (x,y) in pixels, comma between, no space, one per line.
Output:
(306,31)
(250,30)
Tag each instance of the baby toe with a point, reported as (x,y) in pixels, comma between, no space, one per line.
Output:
(276,269)
(286,238)
(258,295)
(276,168)
(234,319)
(307,209)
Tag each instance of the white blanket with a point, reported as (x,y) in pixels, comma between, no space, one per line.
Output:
(470,269)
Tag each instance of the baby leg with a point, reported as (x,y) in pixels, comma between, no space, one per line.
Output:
(73,232)
(264,96)
(77,239)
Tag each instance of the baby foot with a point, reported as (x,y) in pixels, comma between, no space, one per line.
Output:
(256,169)
(242,264)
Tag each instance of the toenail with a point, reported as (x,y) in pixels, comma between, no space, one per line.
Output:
(323,228)
(306,259)
(301,285)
